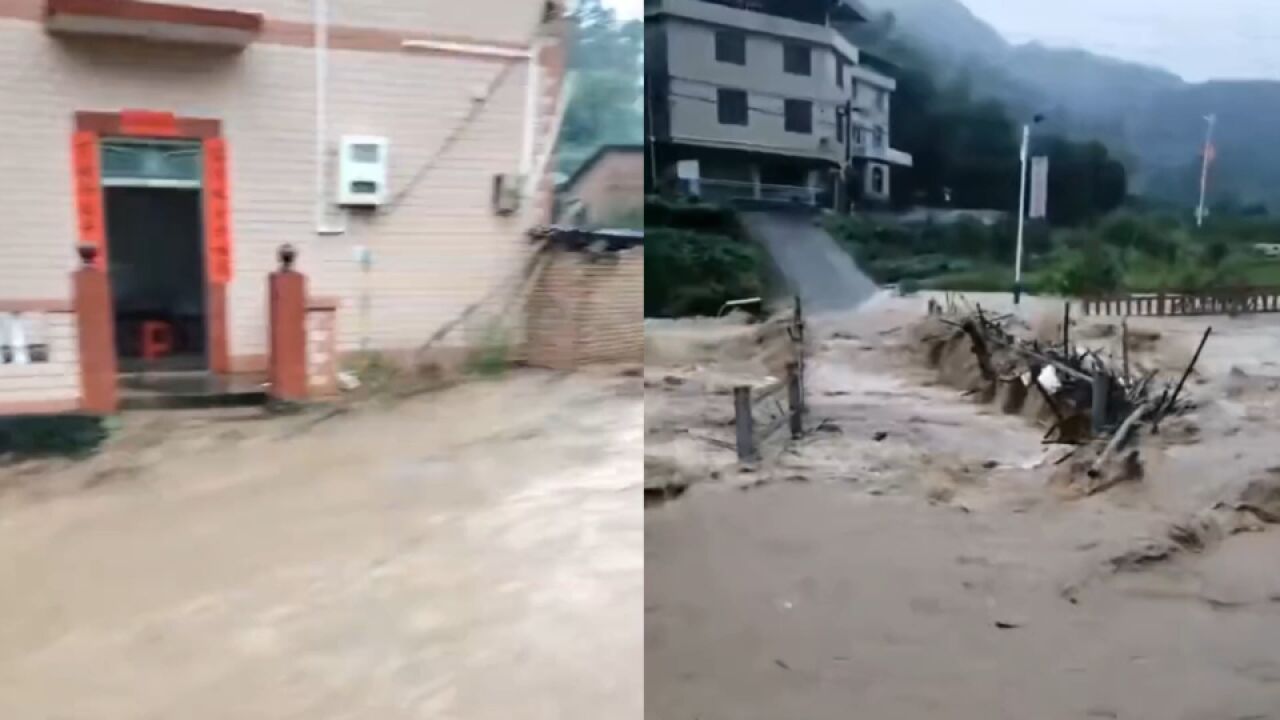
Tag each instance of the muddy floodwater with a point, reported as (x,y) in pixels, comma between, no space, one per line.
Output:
(468,555)
(910,557)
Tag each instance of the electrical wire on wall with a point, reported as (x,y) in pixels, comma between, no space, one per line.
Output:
(477,107)
(523,275)
(549,14)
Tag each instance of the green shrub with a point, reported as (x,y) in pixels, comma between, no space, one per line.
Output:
(1083,265)
(699,217)
(1127,251)
(71,435)
(695,273)
(492,356)
(987,278)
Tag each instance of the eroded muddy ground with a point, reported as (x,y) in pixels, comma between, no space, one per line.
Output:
(911,558)
(465,555)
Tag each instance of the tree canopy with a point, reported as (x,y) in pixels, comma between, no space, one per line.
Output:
(965,146)
(606,58)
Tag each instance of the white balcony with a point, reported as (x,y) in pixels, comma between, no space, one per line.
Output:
(883,154)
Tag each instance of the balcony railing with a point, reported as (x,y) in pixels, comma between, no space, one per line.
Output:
(730,191)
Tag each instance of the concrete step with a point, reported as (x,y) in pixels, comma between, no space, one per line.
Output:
(190,390)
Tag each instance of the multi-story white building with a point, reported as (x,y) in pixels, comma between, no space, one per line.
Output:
(767,99)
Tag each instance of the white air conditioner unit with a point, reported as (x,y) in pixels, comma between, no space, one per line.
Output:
(506,194)
(362,171)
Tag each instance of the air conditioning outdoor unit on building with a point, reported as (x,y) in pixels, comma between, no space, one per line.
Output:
(506,194)
(362,171)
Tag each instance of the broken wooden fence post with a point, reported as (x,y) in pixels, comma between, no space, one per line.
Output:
(1124,349)
(795,397)
(744,424)
(1099,407)
(798,321)
(1185,374)
(1066,327)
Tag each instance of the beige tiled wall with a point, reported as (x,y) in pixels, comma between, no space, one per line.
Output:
(51,384)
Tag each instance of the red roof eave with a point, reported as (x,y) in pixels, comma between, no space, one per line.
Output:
(152,18)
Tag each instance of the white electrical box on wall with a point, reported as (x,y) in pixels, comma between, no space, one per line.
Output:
(362,171)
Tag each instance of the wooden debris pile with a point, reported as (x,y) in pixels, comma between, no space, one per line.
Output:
(1090,397)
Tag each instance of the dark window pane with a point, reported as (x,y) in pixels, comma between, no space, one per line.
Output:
(839,73)
(731,106)
(731,47)
(797,59)
(799,116)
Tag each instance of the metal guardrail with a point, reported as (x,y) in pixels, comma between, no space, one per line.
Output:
(747,399)
(1223,301)
(731,190)
(745,402)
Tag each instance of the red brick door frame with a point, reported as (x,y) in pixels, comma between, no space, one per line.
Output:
(91,128)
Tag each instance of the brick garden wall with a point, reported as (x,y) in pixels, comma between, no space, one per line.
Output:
(587,308)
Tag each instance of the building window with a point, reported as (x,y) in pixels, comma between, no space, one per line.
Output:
(839,72)
(842,125)
(731,106)
(857,136)
(799,116)
(797,59)
(853,89)
(731,47)
(877,180)
(877,140)
(882,100)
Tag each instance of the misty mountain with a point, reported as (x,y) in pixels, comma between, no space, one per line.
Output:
(1148,116)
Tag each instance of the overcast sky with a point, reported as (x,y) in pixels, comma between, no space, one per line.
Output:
(627,9)
(1197,39)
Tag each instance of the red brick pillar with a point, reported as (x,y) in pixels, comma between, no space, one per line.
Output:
(96,330)
(287,366)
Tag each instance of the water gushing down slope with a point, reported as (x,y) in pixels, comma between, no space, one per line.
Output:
(813,265)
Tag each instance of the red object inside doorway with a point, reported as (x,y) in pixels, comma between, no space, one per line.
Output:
(157,339)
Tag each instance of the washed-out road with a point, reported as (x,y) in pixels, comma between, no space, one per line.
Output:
(474,554)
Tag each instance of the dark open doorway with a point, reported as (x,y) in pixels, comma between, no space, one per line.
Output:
(156,264)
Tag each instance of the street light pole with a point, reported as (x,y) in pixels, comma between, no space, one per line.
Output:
(1022,213)
(1210,121)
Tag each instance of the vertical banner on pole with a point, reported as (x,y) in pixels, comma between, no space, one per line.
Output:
(217,211)
(87,173)
(1039,186)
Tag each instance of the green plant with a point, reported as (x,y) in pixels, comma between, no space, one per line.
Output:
(1087,269)
(374,370)
(985,278)
(492,356)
